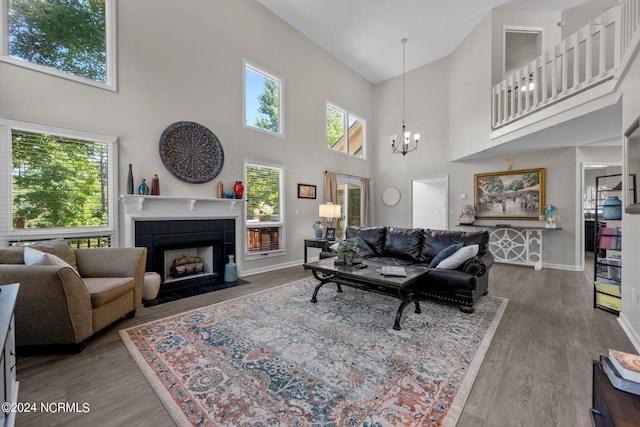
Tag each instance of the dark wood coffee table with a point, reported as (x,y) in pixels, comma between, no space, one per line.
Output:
(370,280)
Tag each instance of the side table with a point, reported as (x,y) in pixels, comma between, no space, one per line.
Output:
(314,243)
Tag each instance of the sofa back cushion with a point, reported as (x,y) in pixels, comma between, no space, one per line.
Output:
(404,243)
(437,240)
(372,236)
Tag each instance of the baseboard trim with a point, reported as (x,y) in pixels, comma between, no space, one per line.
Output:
(272,267)
(628,329)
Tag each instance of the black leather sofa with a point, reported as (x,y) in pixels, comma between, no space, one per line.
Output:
(405,246)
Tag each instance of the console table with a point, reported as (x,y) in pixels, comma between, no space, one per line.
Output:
(520,245)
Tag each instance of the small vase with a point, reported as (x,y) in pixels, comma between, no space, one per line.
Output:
(612,208)
(143,188)
(238,189)
(220,190)
(155,185)
(130,180)
(231,270)
(317,229)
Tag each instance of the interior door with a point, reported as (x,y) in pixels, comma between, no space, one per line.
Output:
(429,204)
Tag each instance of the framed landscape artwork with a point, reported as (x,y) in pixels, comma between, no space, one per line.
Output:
(306,191)
(510,194)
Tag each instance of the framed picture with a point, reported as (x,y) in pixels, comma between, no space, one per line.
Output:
(331,234)
(306,191)
(510,194)
(631,167)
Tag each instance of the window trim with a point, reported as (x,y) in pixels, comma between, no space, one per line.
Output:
(347,115)
(271,75)
(7,232)
(249,256)
(111,50)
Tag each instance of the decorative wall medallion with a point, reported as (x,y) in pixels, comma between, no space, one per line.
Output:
(191,152)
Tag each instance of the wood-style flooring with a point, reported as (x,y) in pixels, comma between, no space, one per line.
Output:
(537,371)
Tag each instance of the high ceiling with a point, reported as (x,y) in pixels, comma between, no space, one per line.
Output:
(366,34)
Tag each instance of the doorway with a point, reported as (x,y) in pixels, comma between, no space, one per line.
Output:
(429,206)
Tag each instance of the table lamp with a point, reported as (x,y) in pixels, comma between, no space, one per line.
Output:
(330,212)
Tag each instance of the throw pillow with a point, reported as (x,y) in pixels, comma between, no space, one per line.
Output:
(36,257)
(459,257)
(445,253)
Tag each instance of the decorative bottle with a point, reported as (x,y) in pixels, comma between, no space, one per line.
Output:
(130,180)
(612,208)
(220,190)
(231,270)
(155,185)
(143,188)
(238,188)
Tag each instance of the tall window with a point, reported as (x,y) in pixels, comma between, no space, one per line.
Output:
(264,209)
(349,196)
(60,183)
(69,38)
(345,132)
(263,100)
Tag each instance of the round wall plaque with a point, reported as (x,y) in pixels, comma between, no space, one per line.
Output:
(391,196)
(191,152)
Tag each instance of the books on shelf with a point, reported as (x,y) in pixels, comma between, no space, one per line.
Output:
(610,238)
(616,380)
(627,364)
(393,271)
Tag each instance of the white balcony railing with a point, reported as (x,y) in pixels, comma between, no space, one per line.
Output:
(583,60)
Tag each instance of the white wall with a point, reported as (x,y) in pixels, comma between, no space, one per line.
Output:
(630,316)
(183,61)
(576,17)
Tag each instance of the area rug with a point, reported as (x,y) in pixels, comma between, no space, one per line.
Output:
(273,358)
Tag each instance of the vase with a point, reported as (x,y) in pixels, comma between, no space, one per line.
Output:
(130,180)
(220,190)
(143,188)
(317,229)
(231,270)
(155,185)
(238,189)
(612,208)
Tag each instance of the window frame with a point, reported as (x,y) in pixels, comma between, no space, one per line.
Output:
(111,50)
(253,255)
(347,114)
(7,232)
(246,64)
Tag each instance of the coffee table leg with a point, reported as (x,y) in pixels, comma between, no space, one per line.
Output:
(396,325)
(406,300)
(323,279)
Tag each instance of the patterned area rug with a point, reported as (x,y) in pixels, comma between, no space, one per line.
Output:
(275,359)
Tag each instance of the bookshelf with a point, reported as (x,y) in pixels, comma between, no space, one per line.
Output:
(607,274)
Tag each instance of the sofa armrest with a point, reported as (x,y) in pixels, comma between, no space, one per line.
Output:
(478,265)
(53,305)
(114,262)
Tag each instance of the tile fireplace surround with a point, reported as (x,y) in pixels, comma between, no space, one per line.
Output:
(165,222)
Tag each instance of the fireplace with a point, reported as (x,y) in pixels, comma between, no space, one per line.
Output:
(172,227)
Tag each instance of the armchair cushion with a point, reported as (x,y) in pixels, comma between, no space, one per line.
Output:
(104,290)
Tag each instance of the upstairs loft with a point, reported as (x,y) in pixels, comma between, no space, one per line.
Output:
(578,76)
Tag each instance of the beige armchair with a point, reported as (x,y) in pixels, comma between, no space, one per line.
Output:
(59,307)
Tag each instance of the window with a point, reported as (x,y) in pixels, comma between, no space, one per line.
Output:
(351,142)
(70,39)
(263,100)
(59,183)
(349,196)
(264,209)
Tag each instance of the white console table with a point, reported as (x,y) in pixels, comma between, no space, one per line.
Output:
(521,245)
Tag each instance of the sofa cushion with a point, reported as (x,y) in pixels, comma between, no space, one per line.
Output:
(59,248)
(445,253)
(403,243)
(372,236)
(104,290)
(437,240)
(459,257)
(35,257)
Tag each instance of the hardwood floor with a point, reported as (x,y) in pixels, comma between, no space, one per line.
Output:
(537,371)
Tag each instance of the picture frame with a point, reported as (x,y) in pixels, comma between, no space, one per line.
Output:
(513,194)
(306,191)
(631,167)
(331,234)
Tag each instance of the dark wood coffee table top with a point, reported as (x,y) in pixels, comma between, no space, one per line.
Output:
(369,274)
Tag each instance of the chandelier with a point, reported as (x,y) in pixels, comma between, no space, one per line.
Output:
(405,143)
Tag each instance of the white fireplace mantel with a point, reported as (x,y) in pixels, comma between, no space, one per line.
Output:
(141,208)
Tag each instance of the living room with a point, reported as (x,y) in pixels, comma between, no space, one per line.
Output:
(183,61)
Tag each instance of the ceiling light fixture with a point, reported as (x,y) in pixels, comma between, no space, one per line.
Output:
(405,143)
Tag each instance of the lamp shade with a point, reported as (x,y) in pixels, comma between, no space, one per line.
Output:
(329,210)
